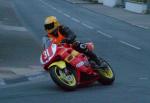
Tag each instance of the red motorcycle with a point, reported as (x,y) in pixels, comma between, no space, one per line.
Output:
(66,66)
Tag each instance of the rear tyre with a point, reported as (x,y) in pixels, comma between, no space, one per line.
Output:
(63,78)
(107,75)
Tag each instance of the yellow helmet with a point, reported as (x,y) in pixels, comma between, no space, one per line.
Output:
(51,23)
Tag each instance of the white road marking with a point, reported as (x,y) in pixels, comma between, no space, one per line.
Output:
(15,28)
(35,66)
(45,3)
(145,27)
(128,44)
(143,78)
(88,26)
(140,26)
(37,76)
(48,5)
(104,34)
(76,20)
(54,8)
(67,15)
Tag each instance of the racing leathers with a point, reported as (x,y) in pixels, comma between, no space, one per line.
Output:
(64,35)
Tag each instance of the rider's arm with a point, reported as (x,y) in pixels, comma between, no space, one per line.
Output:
(46,41)
(68,34)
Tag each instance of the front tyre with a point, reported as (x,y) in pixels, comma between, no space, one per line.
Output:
(107,75)
(63,78)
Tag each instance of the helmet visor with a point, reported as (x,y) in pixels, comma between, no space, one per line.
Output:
(49,26)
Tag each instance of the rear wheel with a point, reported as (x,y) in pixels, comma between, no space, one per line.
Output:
(63,78)
(107,75)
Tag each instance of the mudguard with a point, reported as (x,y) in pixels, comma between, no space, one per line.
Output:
(60,64)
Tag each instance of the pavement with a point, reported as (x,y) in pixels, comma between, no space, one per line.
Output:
(139,20)
(16,64)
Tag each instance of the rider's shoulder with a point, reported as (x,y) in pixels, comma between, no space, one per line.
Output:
(63,27)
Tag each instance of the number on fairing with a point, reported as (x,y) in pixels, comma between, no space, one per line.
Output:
(46,54)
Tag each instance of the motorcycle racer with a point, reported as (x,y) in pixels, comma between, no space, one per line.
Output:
(63,34)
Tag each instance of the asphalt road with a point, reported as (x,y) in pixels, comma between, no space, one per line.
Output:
(18,47)
(126,47)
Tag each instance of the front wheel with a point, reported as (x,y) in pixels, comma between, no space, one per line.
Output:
(107,75)
(63,78)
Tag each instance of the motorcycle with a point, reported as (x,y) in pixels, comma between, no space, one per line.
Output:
(65,66)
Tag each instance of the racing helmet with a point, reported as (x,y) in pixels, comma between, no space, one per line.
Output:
(51,23)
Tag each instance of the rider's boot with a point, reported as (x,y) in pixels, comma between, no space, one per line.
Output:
(99,63)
